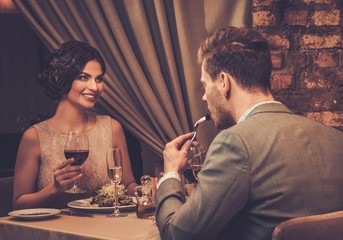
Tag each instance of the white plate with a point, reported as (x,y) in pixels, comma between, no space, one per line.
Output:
(85,205)
(34,213)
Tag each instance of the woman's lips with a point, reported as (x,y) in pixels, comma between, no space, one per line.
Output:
(90,97)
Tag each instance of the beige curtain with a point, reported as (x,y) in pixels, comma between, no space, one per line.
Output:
(150,46)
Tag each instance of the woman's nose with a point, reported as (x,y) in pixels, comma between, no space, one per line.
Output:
(92,84)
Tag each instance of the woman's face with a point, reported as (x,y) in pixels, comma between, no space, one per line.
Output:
(88,86)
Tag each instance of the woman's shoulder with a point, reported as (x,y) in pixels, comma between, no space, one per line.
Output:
(106,122)
(39,125)
(30,135)
(101,118)
(107,119)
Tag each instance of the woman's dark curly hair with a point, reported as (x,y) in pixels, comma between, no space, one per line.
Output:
(64,66)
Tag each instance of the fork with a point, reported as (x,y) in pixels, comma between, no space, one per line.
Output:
(206,117)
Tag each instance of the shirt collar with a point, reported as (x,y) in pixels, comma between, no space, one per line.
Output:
(245,115)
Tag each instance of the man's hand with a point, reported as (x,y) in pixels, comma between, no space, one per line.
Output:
(175,153)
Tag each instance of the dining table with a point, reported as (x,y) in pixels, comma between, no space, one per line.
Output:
(67,225)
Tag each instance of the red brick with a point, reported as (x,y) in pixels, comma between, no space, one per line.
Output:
(277,41)
(322,103)
(263,18)
(276,60)
(320,42)
(281,81)
(332,119)
(296,17)
(326,59)
(319,1)
(313,80)
(329,18)
(314,84)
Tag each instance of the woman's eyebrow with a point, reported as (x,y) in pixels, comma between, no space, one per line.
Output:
(84,73)
(100,75)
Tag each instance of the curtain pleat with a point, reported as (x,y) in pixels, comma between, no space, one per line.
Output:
(150,48)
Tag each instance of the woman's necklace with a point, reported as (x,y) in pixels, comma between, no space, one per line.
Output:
(62,126)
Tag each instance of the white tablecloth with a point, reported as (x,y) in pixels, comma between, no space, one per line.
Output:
(74,227)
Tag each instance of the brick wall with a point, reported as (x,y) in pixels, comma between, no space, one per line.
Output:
(307,55)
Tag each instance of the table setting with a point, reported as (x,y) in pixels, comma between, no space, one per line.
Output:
(110,214)
(84,220)
(71,224)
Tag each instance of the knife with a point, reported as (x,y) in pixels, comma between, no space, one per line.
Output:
(77,214)
(34,213)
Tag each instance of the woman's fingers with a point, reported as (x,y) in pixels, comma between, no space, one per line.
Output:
(66,163)
(66,174)
(65,167)
(63,184)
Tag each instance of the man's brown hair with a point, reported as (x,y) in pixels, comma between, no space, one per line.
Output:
(243,53)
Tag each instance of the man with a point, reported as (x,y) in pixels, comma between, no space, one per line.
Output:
(270,166)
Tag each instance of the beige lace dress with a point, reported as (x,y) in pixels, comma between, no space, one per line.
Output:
(94,168)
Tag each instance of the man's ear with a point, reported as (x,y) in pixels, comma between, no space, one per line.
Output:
(225,80)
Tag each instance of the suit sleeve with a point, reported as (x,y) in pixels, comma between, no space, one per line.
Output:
(220,195)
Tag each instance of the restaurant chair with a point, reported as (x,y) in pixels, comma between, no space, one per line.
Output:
(6,192)
(328,226)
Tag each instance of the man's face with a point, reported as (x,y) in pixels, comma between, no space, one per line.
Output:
(216,100)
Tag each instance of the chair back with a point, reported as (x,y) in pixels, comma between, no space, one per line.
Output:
(328,226)
(6,192)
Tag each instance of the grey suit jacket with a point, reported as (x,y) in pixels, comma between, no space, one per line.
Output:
(273,166)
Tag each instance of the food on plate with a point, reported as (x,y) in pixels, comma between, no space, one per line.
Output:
(105,196)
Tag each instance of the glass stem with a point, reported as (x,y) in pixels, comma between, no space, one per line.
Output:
(116,198)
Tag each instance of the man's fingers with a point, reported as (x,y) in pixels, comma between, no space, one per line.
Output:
(195,144)
(186,146)
(185,137)
(180,140)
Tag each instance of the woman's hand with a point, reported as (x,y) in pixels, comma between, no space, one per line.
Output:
(65,175)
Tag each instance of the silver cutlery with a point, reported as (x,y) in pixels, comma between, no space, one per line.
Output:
(34,213)
(206,117)
(77,214)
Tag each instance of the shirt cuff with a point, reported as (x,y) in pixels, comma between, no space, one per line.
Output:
(167,176)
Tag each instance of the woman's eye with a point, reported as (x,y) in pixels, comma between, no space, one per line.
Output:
(99,79)
(83,77)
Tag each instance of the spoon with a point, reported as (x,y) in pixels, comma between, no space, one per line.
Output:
(206,117)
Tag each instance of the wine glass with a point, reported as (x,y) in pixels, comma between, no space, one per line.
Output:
(196,156)
(76,147)
(115,171)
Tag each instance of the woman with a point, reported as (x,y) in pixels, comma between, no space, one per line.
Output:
(74,77)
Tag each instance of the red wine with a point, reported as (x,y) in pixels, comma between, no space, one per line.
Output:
(188,173)
(145,211)
(80,156)
(196,169)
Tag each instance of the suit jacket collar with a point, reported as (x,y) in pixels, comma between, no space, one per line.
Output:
(270,107)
